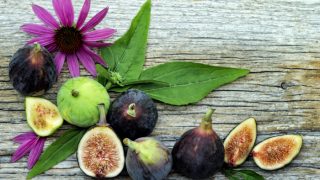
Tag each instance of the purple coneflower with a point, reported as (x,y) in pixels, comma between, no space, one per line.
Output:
(71,40)
(30,143)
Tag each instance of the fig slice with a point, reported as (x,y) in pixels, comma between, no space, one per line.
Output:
(42,116)
(239,143)
(100,152)
(276,152)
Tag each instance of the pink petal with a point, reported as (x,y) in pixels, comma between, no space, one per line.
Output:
(73,65)
(68,12)
(97,44)
(95,20)
(52,47)
(95,56)
(45,16)
(84,13)
(36,152)
(87,62)
(59,61)
(23,149)
(24,137)
(44,40)
(58,8)
(36,29)
(99,35)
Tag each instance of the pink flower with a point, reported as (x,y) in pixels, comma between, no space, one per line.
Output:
(71,40)
(30,143)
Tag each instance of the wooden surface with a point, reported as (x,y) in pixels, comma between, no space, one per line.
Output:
(278,40)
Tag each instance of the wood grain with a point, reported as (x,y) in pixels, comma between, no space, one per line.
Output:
(278,40)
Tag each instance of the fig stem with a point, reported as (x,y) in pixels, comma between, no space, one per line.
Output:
(74,93)
(102,110)
(132,110)
(131,144)
(206,123)
(37,47)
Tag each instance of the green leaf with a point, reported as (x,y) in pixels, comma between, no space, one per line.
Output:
(188,82)
(127,55)
(242,174)
(58,151)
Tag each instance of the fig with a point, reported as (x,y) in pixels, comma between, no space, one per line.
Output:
(276,152)
(100,153)
(133,114)
(239,142)
(199,153)
(78,99)
(32,71)
(147,159)
(42,116)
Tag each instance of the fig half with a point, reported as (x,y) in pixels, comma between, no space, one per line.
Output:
(239,142)
(199,152)
(276,152)
(100,152)
(133,114)
(147,158)
(42,116)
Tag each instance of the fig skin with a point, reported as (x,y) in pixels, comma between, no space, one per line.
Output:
(133,114)
(199,153)
(147,159)
(32,71)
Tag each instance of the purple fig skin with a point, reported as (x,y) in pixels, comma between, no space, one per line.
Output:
(199,153)
(145,115)
(139,170)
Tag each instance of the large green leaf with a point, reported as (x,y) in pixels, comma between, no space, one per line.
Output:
(188,82)
(127,55)
(58,151)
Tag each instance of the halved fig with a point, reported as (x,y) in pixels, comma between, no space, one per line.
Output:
(239,142)
(42,116)
(100,152)
(276,152)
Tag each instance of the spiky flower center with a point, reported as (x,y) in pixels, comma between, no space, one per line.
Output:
(68,39)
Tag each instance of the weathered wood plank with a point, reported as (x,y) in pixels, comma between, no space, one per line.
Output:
(278,40)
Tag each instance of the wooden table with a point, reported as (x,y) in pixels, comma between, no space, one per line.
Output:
(278,40)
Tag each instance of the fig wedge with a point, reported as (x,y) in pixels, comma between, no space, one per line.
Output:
(276,152)
(239,142)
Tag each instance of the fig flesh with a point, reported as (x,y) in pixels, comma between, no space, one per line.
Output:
(147,159)
(42,116)
(239,142)
(276,152)
(199,153)
(133,114)
(78,99)
(100,152)
(32,71)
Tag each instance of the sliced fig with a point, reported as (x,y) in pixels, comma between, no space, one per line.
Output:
(276,152)
(239,142)
(133,114)
(199,152)
(100,152)
(147,158)
(42,116)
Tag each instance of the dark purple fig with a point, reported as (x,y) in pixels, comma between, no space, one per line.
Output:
(147,159)
(32,71)
(199,153)
(133,114)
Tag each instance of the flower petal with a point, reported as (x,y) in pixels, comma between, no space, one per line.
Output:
(95,20)
(99,35)
(68,11)
(87,62)
(95,56)
(44,40)
(36,29)
(45,16)
(23,149)
(59,61)
(52,47)
(73,65)
(36,152)
(58,8)
(97,44)
(24,137)
(84,13)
